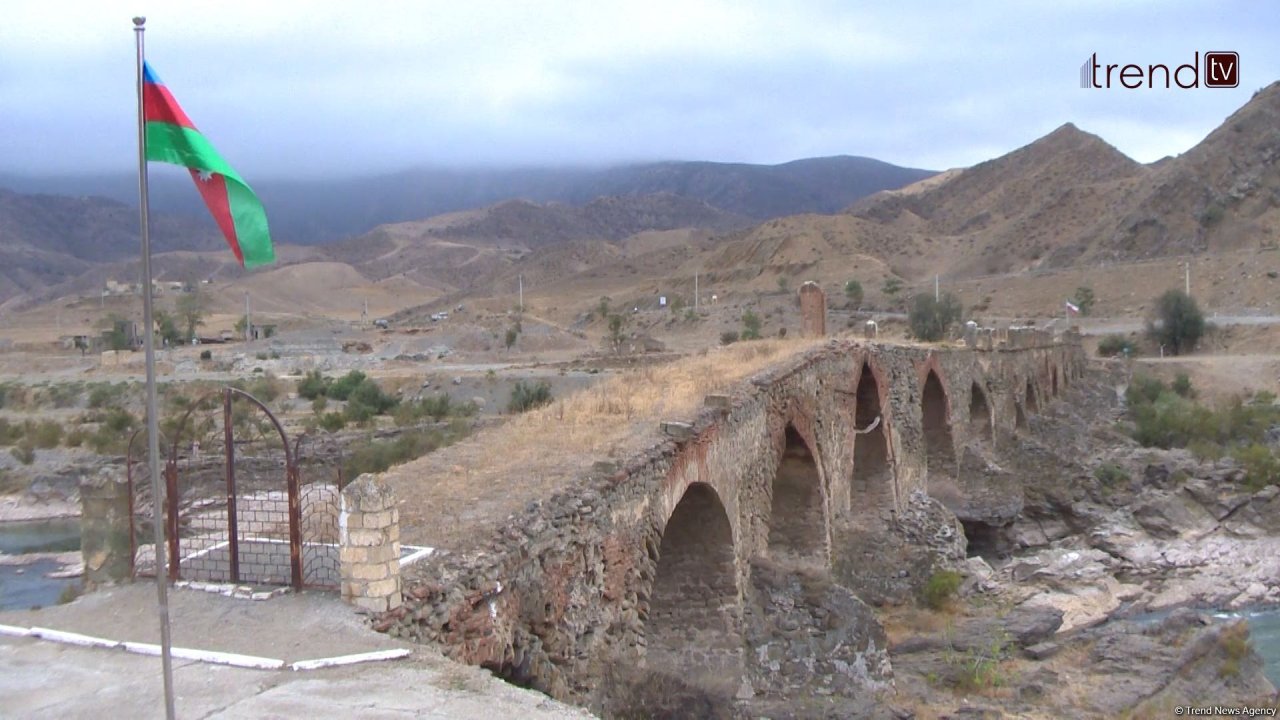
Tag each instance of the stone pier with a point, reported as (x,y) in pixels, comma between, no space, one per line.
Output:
(369,545)
(104,528)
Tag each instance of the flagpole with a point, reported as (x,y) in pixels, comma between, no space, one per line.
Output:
(153,435)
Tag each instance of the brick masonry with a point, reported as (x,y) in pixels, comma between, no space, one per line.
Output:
(649,563)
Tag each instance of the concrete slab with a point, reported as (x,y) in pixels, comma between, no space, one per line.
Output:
(39,678)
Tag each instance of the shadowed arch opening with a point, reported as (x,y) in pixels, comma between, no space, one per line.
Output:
(797,526)
(1053,379)
(979,413)
(692,627)
(872,474)
(1032,404)
(940,450)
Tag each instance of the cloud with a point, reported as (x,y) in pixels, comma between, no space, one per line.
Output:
(334,87)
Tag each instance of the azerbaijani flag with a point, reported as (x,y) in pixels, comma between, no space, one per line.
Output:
(173,138)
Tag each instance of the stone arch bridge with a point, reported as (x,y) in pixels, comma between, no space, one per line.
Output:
(736,554)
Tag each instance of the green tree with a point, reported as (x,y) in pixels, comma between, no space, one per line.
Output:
(930,319)
(1084,299)
(783,283)
(168,328)
(750,326)
(191,309)
(1177,323)
(512,336)
(853,292)
(602,308)
(616,324)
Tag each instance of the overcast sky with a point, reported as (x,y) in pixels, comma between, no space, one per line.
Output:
(335,88)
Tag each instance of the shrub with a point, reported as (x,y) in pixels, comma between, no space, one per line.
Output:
(313,385)
(1113,345)
(1177,323)
(332,421)
(342,388)
(266,388)
(728,337)
(23,452)
(1260,465)
(10,433)
(75,438)
(1084,299)
(940,588)
(853,292)
(1143,389)
(1182,386)
(206,354)
(529,396)
(750,326)
(1110,474)
(512,336)
(1235,645)
(105,394)
(367,400)
(930,319)
(319,404)
(378,456)
(48,434)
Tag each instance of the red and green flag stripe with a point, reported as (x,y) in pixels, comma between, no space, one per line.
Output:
(171,137)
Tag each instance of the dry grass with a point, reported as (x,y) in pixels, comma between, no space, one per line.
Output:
(450,494)
(904,622)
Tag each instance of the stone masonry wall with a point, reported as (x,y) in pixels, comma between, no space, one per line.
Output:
(369,545)
(562,593)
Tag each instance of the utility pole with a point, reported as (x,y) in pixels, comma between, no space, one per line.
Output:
(521,279)
(695,292)
(1187,280)
(248,319)
(936,296)
(364,314)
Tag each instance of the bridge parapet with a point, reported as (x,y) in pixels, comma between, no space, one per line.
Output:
(575,582)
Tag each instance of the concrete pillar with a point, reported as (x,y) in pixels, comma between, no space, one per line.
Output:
(369,545)
(813,310)
(870,330)
(970,334)
(104,528)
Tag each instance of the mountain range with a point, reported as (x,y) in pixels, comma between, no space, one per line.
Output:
(1068,198)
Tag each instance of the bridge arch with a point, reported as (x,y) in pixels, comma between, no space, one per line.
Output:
(798,512)
(1031,402)
(692,628)
(940,449)
(872,484)
(980,424)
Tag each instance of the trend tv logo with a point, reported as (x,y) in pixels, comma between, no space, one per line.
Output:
(1220,70)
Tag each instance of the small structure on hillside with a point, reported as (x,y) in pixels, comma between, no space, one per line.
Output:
(813,310)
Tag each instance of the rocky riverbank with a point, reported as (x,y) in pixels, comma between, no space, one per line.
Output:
(1047,617)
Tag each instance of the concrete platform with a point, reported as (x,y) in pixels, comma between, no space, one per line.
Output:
(39,678)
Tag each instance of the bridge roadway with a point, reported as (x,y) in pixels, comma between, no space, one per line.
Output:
(835,464)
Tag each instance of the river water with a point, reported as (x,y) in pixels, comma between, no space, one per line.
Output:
(1264,632)
(25,586)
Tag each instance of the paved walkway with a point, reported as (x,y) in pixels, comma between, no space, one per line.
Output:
(39,678)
